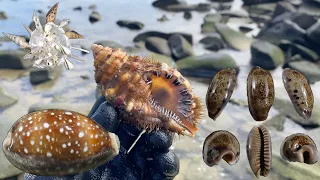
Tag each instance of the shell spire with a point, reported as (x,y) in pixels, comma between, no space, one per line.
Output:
(52,13)
(21,41)
(148,93)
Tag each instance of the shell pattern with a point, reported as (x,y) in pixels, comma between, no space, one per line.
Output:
(148,93)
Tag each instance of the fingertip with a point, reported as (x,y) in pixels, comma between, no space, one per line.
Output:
(159,141)
(167,164)
(107,117)
(94,108)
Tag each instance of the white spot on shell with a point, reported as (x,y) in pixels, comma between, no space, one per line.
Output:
(38,149)
(68,113)
(81,134)
(21,142)
(64,145)
(26,150)
(70,120)
(49,154)
(28,133)
(20,128)
(52,113)
(29,118)
(71,151)
(46,125)
(85,149)
(61,130)
(32,142)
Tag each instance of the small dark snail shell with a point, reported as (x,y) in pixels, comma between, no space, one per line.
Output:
(299,148)
(221,145)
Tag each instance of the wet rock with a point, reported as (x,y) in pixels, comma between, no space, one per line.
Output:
(133,25)
(303,20)
(162,58)
(241,13)
(145,35)
(92,7)
(158,45)
(78,8)
(206,65)
(261,9)
(266,55)
(187,15)
(222,1)
(212,18)
(285,29)
(83,107)
(309,69)
(13,59)
(310,9)
(42,19)
(111,44)
(283,7)
(6,99)
(163,18)
(201,7)
(179,46)
(245,29)
(208,27)
(39,11)
(252,2)
(275,122)
(95,16)
(213,42)
(292,49)
(234,39)
(163,4)
(38,76)
(313,33)
(3,15)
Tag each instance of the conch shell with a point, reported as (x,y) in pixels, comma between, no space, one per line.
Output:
(148,93)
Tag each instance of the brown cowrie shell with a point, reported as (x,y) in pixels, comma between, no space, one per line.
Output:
(259,151)
(58,142)
(299,148)
(260,93)
(220,91)
(220,145)
(299,91)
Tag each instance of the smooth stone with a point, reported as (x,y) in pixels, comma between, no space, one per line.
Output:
(179,46)
(261,9)
(292,49)
(206,65)
(82,108)
(313,33)
(276,122)
(95,16)
(43,20)
(222,1)
(201,7)
(295,170)
(266,55)
(309,69)
(241,13)
(111,44)
(163,18)
(245,29)
(212,18)
(187,15)
(38,76)
(133,25)
(143,36)
(310,9)
(3,15)
(92,7)
(13,59)
(285,29)
(6,99)
(158,45)
(162,4)
(258,18)
(303,20)
(78,8)
(252,2)
(208,27)
(234,39)
(285,106)
(213,42)
(283,7)
(162,58)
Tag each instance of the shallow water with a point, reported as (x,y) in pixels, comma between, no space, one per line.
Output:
(70,87)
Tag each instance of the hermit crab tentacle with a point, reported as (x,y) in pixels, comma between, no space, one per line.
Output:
(21,41)
(148,93)
(27,28)
(52,13)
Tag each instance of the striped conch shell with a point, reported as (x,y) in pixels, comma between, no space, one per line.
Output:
(148,93)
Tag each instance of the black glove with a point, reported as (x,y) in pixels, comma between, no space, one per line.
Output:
(149,159)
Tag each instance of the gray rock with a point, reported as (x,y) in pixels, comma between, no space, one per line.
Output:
(252,2)
(78,8)
(213,42)
(309,69)
(283,7)
(206,65)
(143,36)
(261,9)
(303,20)
(3,15)
(42,19)
(163,18)
(161,58)
(38,76)
(234,39)
(266,55)
(95,17)
(292,49)
(179,46)
(212,18)
(313,33)
(187,15)
(13,59)
(82,108)
(245,29)
(6,99)
(92,7)
(163,4)
(208,27)
(241,13)
(158,45)
(310,9)
(133,25)
(201,7)
(285,29)
(111,44)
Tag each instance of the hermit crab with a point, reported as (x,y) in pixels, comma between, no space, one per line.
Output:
(49,45)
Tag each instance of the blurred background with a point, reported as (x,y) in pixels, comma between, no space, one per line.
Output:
(198,38)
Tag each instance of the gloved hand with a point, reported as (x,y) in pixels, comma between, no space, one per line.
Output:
(149,159)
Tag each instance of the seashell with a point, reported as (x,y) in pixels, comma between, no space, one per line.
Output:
(58,142)
(52,13)
(221,145)
(36,20)
(21,41)
(299,91)
(73,35)
(220,91)
(259,151)
(27,28)
(149,94)
(260,93)
(64,23)
(299,148)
